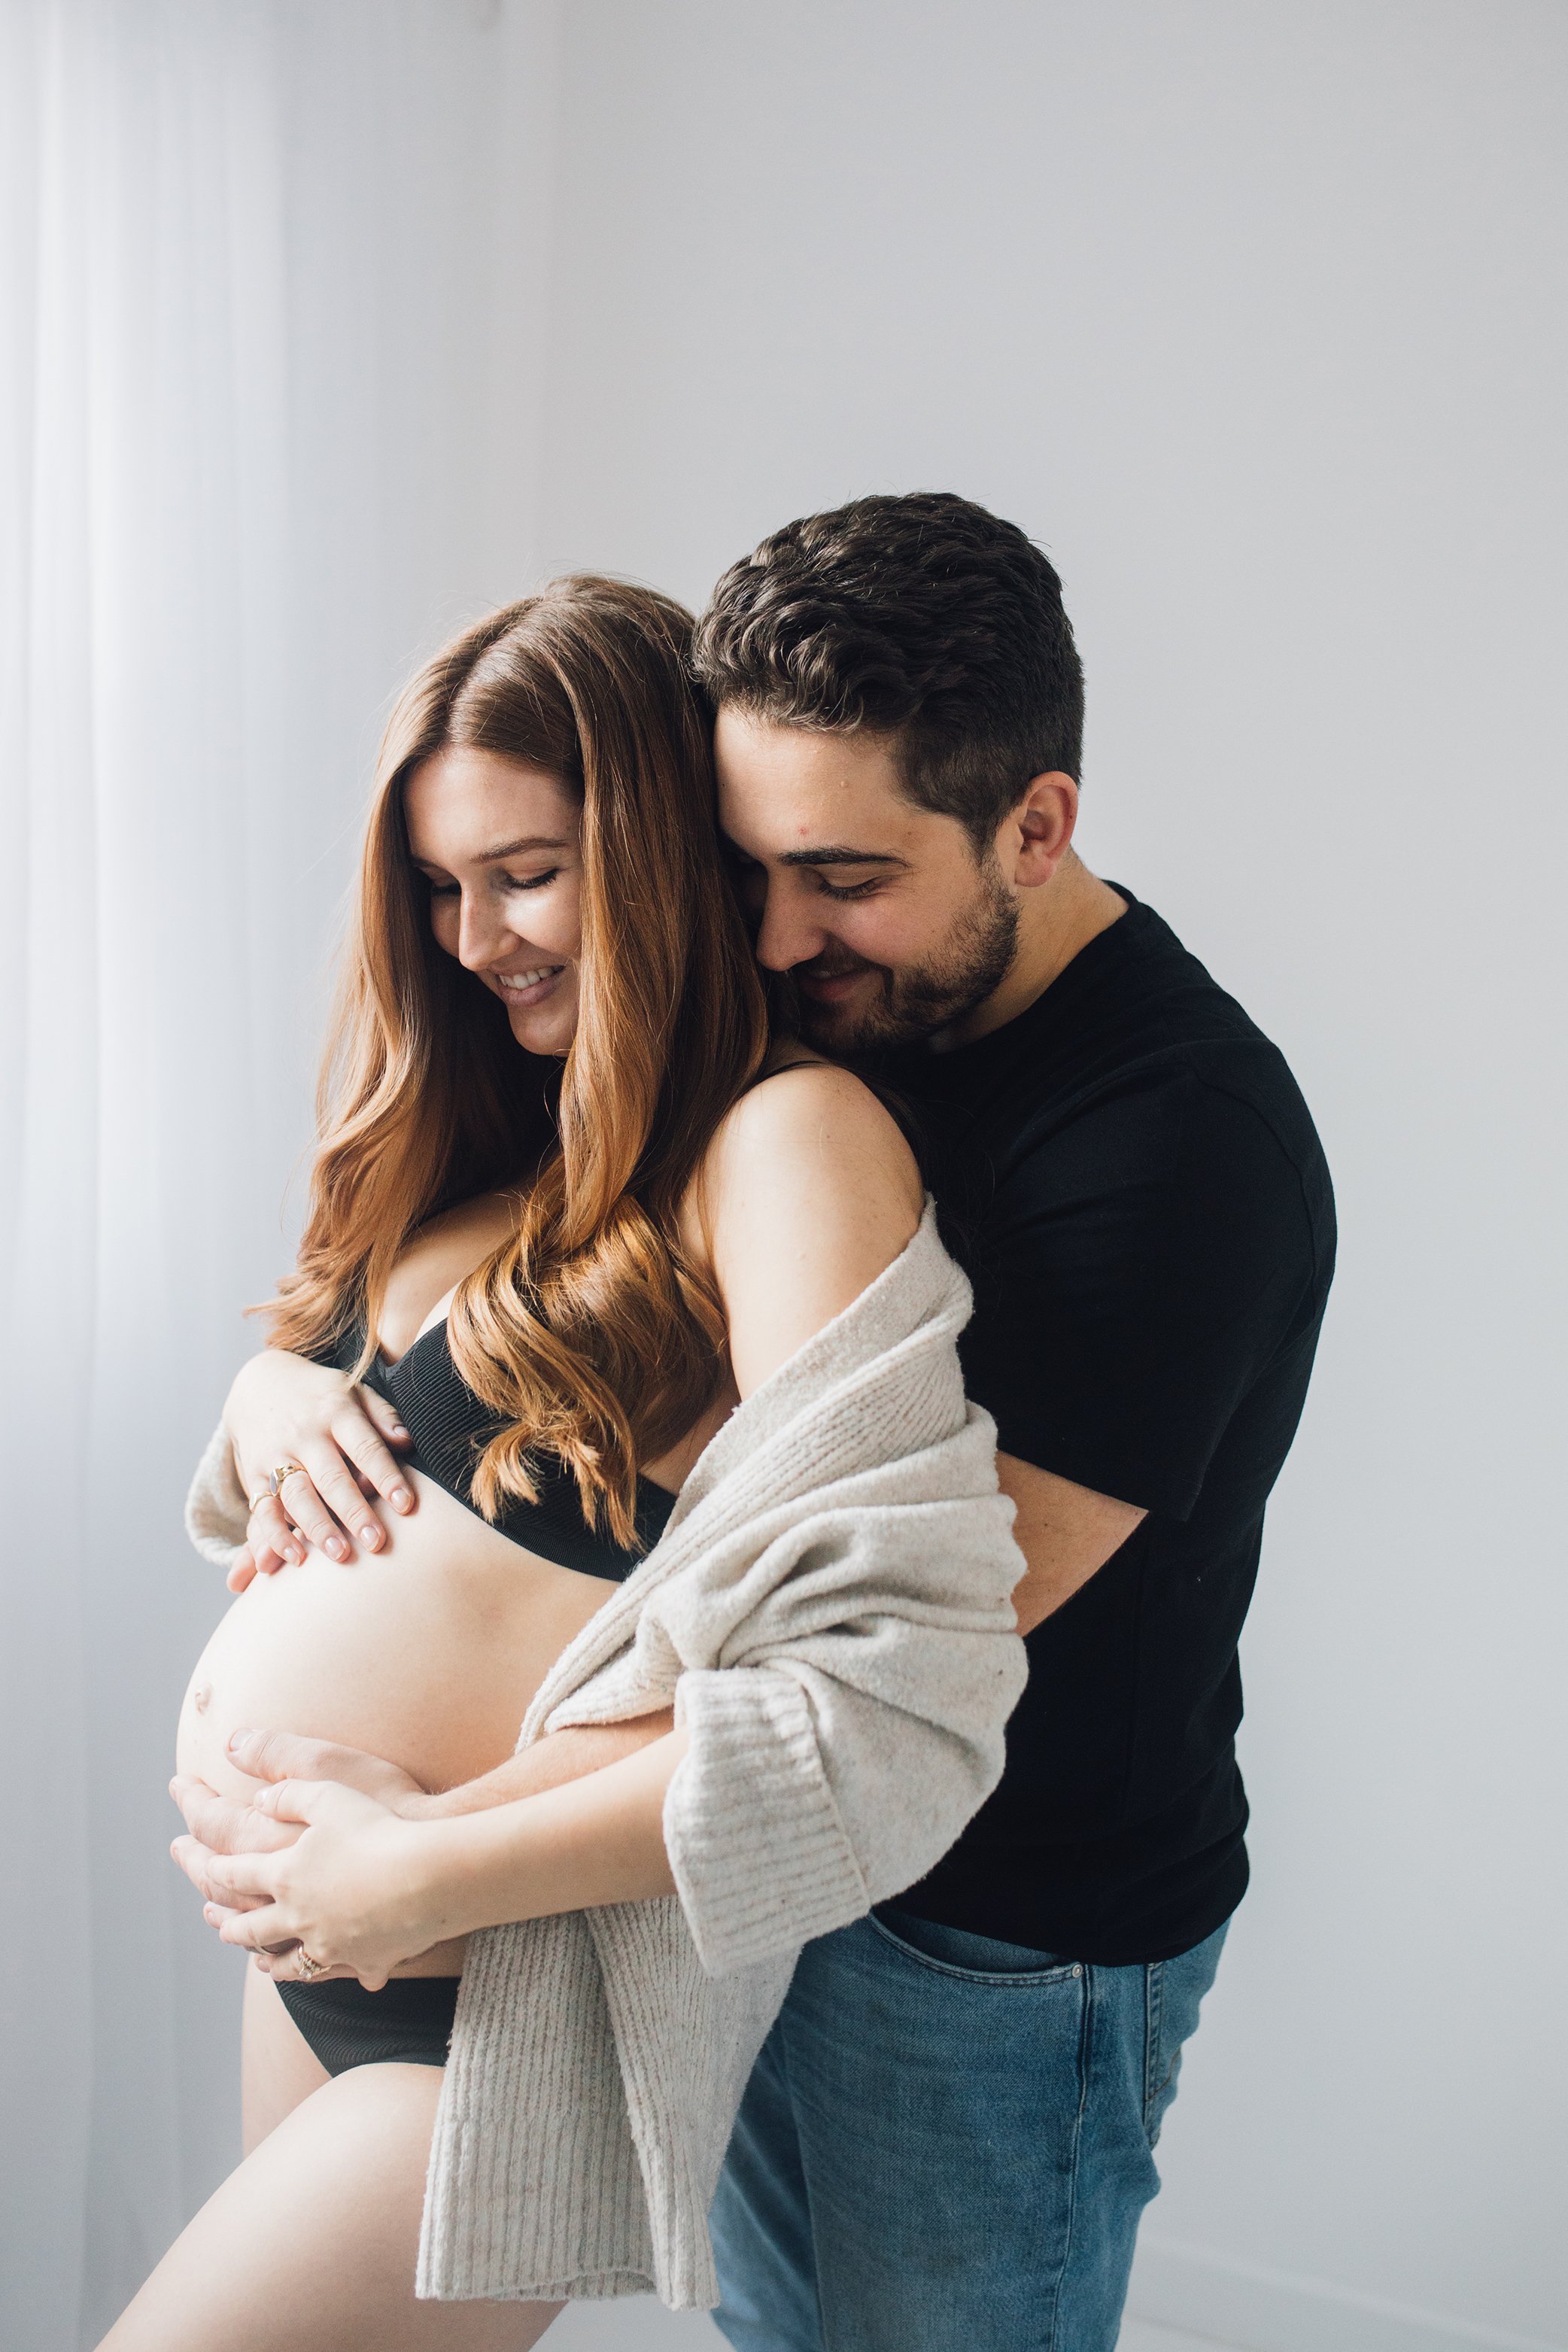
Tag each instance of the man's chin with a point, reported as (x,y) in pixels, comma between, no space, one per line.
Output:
(846,1030)
(841,1025)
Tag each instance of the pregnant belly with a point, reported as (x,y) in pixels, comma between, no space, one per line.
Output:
(427,1653)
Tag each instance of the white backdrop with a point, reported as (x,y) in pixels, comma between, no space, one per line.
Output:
(262,437)
(324,325)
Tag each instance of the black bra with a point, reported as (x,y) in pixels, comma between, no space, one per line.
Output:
(451,1427)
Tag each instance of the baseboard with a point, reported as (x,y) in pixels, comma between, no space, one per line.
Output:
(1207,2293)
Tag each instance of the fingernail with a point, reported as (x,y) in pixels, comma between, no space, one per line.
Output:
(239,1742)
(337,1548)
(398,1430)
(402,1499)
(371,1536)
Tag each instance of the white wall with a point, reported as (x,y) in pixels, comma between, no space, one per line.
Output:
(1255,315)
(264,433)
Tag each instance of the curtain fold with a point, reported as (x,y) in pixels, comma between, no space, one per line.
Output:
(261,445)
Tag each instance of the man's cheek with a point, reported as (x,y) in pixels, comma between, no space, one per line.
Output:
(885,942)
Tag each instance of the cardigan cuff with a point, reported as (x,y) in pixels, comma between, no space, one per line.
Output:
(217,1509)
(760,1855)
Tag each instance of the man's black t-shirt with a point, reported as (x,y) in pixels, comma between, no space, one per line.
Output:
(1130,1177)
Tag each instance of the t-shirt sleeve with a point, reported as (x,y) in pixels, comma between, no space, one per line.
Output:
(1133,1275)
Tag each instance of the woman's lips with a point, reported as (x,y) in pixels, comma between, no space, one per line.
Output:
(530,987)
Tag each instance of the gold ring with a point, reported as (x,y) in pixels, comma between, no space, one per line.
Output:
(308,1966)
(277,1480)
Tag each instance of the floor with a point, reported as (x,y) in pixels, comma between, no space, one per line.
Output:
(637,2324)
(1143,2336)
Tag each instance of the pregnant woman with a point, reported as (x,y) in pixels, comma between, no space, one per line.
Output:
(591,1246)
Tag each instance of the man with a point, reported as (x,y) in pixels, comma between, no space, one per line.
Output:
(948,2139)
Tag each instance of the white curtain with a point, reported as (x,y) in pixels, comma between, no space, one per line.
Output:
(265,431)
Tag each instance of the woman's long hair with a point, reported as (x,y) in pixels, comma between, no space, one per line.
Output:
(588,1333)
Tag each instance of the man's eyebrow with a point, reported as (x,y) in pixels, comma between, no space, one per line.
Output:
(833,854)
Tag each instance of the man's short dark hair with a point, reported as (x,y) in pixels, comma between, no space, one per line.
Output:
(924,618)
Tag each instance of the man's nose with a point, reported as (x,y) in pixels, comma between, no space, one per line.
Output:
(788,933)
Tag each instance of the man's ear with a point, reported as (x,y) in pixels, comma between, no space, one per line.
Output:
(1037,833)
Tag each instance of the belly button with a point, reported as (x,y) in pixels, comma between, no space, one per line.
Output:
(201,1697)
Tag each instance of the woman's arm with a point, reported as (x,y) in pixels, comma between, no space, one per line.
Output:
(808,1193)
(362,1888)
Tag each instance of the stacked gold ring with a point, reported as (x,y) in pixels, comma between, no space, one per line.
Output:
(276,1479)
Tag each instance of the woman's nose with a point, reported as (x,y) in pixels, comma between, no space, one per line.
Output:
(482,937)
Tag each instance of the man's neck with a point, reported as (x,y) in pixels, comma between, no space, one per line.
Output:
(1055,923)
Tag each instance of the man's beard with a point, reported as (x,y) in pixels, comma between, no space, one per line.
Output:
(919,999)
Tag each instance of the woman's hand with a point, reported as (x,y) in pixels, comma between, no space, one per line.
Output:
(362,1888)
(283,1408)
(223,1825)
(359,1890)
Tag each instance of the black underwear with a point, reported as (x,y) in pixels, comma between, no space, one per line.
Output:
(408,2023)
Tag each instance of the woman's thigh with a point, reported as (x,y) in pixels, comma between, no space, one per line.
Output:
(310,2246)
(277,2068)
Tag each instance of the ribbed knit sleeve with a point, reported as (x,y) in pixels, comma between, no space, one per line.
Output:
(761,1856)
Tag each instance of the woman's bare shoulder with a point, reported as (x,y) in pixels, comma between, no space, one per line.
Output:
(809,1190)
(817,1114)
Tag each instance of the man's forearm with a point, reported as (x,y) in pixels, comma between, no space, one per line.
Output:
(550,1763)
(1065,1533)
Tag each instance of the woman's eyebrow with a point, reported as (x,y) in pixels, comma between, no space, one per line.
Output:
(517,848)
(503,849)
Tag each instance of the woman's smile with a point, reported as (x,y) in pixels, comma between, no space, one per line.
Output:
(531,986)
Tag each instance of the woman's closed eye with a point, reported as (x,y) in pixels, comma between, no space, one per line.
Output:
(509,882)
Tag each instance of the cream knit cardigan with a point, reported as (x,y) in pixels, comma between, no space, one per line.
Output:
(828,1608)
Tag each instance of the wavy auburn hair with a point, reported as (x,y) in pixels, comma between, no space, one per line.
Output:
(588,1334)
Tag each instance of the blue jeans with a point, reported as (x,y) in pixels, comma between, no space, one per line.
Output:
(947,2144)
